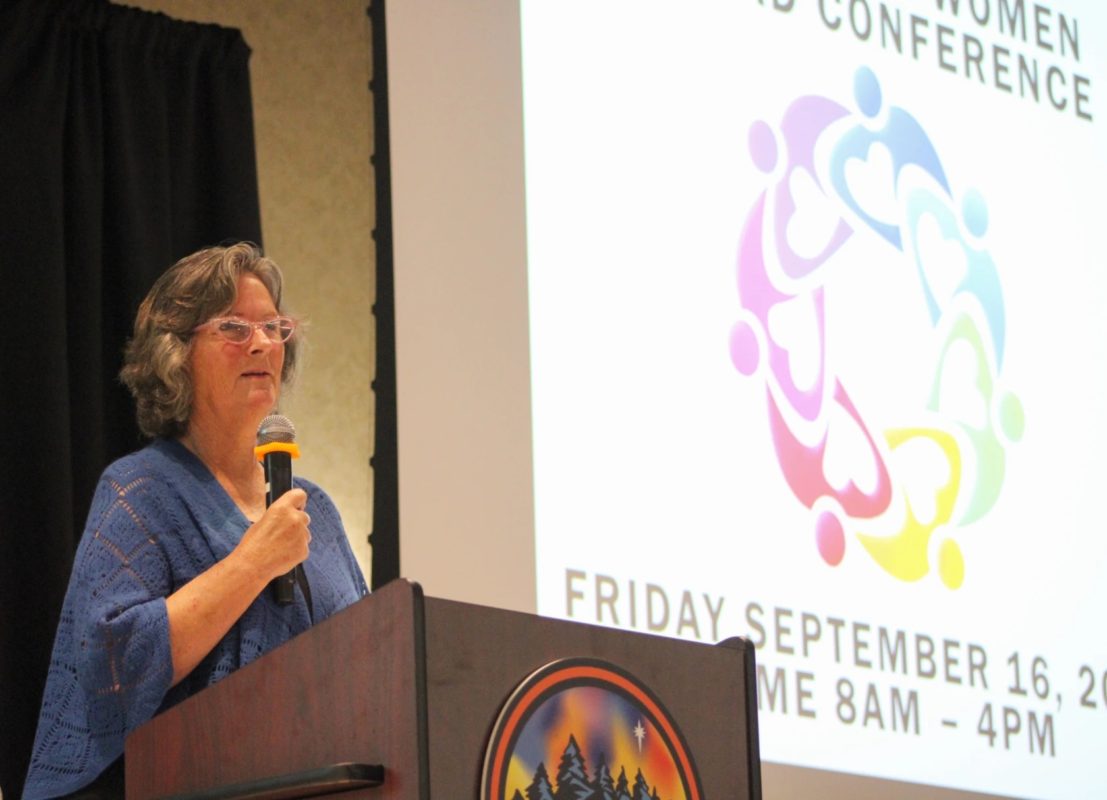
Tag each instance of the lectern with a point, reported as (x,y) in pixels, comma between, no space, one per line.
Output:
(399,695)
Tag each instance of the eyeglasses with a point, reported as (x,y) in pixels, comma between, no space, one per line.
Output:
(240,331)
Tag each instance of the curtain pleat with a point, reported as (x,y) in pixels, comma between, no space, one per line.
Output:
(126,142)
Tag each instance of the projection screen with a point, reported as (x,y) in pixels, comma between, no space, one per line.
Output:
(780,319)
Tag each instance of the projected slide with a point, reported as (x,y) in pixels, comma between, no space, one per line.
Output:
(818,318)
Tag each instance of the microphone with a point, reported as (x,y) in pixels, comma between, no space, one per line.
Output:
(275,449)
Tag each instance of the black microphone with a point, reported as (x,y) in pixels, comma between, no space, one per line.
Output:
(275,449)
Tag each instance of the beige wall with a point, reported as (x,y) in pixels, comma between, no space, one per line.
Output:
(310,70)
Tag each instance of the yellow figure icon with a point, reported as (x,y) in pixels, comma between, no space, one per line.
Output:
(904,554)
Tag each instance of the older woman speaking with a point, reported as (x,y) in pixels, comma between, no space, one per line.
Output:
(166,595)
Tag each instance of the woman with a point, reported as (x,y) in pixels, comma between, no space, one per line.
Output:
(166,595)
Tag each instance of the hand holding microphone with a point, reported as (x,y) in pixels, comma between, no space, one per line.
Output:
(276,447)
(278,541)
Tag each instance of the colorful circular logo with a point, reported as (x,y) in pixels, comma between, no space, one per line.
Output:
(586,728)
(893,478)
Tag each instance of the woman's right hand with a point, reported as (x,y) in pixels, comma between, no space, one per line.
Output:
(205,608)
(279,540)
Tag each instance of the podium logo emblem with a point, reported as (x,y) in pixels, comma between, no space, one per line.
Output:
(585,728)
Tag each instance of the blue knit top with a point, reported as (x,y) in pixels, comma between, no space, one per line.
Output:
(158,519)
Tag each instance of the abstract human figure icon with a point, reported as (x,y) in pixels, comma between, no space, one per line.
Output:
(901,134)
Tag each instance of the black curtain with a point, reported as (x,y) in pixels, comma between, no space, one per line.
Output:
(126,142)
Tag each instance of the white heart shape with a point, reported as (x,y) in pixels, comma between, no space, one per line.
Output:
(871,183)
(921,470)
(944,262)
(848,458)
(959,397)
(814,220)
(794,326)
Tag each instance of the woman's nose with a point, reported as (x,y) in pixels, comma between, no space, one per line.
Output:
(259,340)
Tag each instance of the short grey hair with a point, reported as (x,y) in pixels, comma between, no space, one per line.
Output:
(195,289)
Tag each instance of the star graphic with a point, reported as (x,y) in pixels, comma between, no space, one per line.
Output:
(639,734)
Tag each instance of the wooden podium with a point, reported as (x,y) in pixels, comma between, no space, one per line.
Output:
(396,697)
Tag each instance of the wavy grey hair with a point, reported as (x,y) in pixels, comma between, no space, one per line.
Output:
(195,289)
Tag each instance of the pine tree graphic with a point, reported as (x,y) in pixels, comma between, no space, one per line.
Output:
(641,789)
(622,787)
(540,788)
(604,786)
(573,782)
(572,775)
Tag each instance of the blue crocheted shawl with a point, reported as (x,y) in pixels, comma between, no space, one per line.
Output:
(158,519)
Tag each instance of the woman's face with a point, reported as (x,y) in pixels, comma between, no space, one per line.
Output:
(238,384)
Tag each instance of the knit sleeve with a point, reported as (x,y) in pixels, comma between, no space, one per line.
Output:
(337,579)
(111,665)
(122,579)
